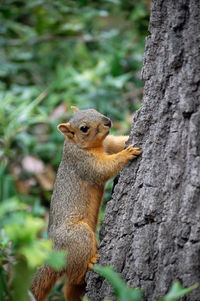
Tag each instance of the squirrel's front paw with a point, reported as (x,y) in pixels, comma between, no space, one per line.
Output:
(132,152)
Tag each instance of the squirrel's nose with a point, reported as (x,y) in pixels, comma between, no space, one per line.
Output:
(107,122)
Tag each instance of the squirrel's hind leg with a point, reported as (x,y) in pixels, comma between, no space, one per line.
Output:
(43,282)
(73,292)
(78,239)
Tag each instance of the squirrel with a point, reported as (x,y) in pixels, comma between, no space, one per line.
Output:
(90,157)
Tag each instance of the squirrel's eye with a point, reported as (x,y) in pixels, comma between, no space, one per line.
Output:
(84,128)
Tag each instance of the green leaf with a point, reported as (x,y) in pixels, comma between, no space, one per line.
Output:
(21,281)
(122,291)
(37,252)
(57,259)
(177,291)
(24,230)
(11,204)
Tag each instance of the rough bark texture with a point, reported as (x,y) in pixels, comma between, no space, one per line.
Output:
(151,230)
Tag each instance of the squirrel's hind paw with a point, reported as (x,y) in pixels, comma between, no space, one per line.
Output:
(92,261)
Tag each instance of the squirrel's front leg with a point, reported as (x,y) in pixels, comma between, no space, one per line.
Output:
(111,164)
(114,144)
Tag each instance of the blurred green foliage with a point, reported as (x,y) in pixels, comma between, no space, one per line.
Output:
(20,249)
(54,54)
(86,53)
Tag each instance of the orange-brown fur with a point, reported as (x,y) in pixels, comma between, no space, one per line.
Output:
(114,144)
(90,158)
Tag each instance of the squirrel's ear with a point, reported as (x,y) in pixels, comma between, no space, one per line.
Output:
(66,130)
(75,109)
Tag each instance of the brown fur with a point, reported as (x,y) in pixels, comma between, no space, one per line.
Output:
(73,292)
(90,158)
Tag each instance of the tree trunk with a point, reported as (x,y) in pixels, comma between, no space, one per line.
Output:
(151,230)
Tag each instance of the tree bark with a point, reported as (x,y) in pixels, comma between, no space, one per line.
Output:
(151,229)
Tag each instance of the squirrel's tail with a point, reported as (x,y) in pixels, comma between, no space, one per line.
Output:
(43,282)
(74,292)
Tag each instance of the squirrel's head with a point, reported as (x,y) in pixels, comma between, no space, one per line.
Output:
(86,128)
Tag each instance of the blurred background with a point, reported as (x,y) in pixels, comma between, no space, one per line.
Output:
(54,54)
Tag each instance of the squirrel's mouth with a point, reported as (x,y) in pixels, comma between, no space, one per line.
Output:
(108,123)
(106,134)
